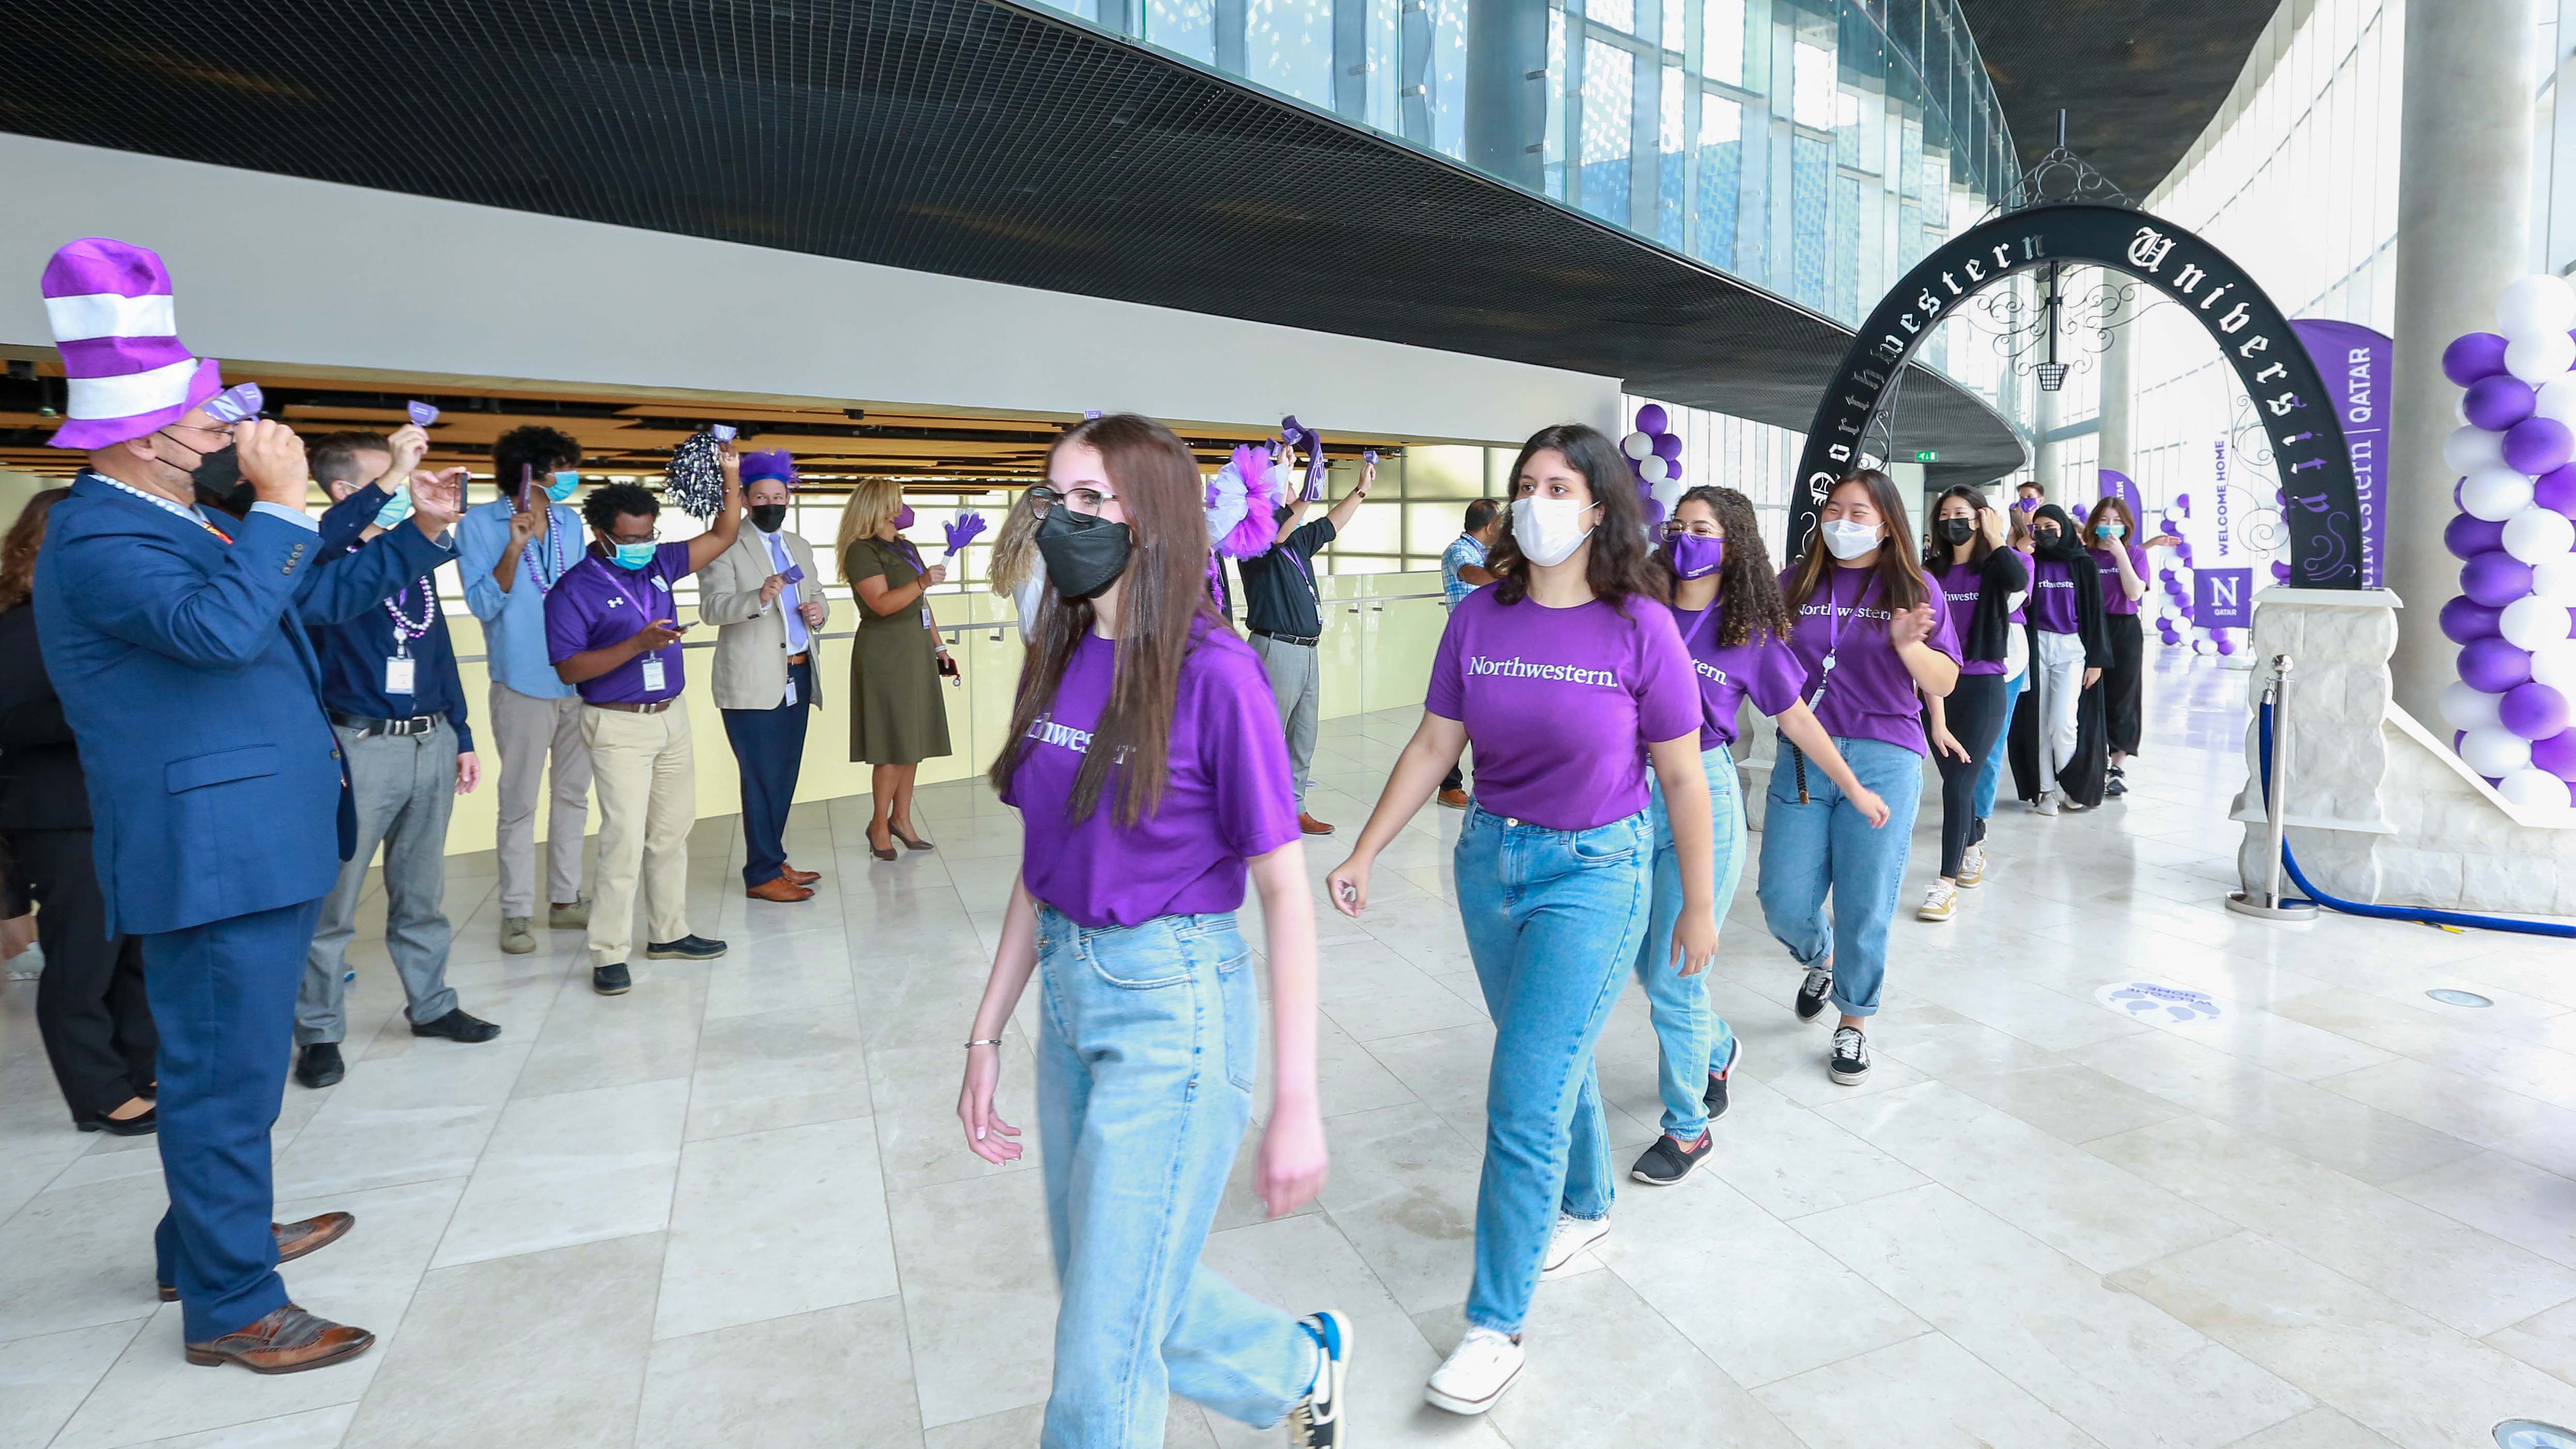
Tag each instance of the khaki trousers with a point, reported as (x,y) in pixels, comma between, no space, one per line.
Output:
(526,730)
(646,776)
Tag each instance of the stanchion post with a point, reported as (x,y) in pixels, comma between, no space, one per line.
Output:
(2276,808)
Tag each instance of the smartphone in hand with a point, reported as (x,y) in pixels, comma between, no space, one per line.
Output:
(524,499)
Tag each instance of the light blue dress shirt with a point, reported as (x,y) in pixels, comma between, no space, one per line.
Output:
(514,624)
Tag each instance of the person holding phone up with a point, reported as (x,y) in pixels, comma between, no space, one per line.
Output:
(612,631)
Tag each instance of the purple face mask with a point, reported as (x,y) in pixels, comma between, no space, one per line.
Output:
(1695,555)
(2028,505)
(903,518)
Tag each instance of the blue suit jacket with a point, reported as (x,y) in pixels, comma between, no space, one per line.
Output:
(215,783)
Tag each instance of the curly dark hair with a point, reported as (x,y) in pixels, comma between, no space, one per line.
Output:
(18,550)
(610,502)
(1748,588)
(1622,563)
(534,450)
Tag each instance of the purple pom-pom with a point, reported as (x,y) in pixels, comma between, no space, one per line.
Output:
(2537,445)
(2467,536)
(2533,711)
(2495,579)
(2497,403)
(2493,666)
(2473,356)
(2465,620)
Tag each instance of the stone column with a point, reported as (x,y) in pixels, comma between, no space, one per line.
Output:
(2463,228)
(2118,315)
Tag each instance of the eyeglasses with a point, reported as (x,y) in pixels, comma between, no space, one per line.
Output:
(653,537)
(1080,500)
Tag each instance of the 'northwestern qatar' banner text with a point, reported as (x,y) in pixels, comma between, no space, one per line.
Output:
(2356,364)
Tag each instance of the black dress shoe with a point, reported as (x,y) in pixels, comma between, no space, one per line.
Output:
(457,1026)
(141,1124)
(320,1065)
(687,948)
(611,980)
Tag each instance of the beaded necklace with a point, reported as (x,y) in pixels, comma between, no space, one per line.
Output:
(529,557)
(404,629)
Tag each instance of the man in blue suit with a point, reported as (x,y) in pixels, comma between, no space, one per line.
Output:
(175,634)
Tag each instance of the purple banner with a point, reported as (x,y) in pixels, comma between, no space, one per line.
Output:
(2116,484)
(2358,366)
(2222,598)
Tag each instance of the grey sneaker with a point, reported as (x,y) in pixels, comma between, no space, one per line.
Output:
(516,938)
(574,917)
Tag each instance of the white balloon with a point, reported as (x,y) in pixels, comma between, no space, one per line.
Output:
(2540,357)
(2468,449)
(2557,399)
(2497,493)
(2493,750)
(1638,445)
(2468,708)
(2554,664)
(1654,470)
(2533,788)
(2535,304)
(1669,493)
(2533,623)
(2538,534)
(2554,579)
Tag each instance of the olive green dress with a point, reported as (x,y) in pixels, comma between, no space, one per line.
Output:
(896,714)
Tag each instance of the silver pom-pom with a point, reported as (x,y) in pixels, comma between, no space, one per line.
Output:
(695,481)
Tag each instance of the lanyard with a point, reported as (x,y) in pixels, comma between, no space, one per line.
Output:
(619,584)
(1834,628)
(1698,624)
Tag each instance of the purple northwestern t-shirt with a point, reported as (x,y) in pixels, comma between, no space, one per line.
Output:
(1962,585)
(1867,695)
(1560,704)
(1228,795)
(2114,601)
(2052,597)
(1761,666)
(596,604)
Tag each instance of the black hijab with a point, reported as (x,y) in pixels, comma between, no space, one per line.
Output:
(2086,574)
(2068,547)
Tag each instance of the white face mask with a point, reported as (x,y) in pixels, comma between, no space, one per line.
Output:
(1850,540)
(1549,530)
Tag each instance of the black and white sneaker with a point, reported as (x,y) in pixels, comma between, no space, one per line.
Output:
(1316,1422)
(1819,985)
(1850,1065)
(1668,1161)
(1715,1096)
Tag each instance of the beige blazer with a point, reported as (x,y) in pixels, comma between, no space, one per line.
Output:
(751,638)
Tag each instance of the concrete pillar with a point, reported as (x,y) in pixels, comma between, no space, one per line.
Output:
(2463,207)
(1507,88)
(2119,311)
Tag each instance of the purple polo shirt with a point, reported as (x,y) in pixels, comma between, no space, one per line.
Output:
(1868,695)
(2052,597)
(596,604)
(2114,601)
(1761,666)
(1962,585)
(1228,795)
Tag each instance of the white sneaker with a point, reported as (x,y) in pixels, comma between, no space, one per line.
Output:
(2047,804)
(1972,866)
(1479,1369)
(1938,903)
(1571,1237)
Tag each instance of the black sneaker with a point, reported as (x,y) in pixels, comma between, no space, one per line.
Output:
(1316,1421)
(687,948)
(1668,1161)
(1715,1096)
(457,1026)
(2115,785)
(319,1064)
(1812,993)
(610,980)
(1850,1065)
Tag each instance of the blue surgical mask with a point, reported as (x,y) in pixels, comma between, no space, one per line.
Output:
(2112,530)
(632,556)
(566,484)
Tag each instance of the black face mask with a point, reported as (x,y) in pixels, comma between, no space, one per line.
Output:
(1084,553)
(767,516)
(1958,530)
(219,482)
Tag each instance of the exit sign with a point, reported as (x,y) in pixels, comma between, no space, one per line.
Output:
(1926,455)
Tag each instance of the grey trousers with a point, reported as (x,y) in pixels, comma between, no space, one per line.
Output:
(1296,686)
(404,787)
(526,730)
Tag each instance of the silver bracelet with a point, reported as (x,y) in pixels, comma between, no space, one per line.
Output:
(988,1041)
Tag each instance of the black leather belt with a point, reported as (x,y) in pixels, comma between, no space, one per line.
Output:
(1306,639)
(369,727)
(622,706)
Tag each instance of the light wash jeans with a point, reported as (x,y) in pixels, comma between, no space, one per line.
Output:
(1692,1040)
(1992,770)
(1826,846)
(1553,918)
(1148,1045)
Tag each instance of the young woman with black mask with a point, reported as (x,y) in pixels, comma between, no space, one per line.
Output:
(2069,648)
(1982,580)
(2110,534)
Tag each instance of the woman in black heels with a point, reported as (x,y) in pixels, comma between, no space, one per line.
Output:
(897,719)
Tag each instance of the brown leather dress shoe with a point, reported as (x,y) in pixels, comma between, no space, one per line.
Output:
(287,1341)
(801,877)
(779,888)
(1311,825)
(294,1240)
(1456,799)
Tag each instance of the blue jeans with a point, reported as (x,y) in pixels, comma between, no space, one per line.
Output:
(1692,1041)
(1826,845)
(1148,1047)
(1993,769)
(1553,918)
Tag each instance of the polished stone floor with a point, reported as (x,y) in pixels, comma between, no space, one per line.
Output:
(732,1208)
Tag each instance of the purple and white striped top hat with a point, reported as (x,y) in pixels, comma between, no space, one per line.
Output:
(115,323)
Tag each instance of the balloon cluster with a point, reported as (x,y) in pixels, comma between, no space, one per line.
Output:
(2172,626)
(2516,539)
(1655,457)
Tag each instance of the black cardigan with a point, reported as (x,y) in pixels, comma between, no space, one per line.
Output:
(1986,636)
(41,784)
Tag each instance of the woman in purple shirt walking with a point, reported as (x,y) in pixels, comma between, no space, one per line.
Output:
(2068,649)
(2123,566)
(1567,675)
(1149,772)
(1874,636)
(1982,580)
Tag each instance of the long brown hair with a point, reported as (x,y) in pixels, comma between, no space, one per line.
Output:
(1161,600)
(1900,574)
(1622,563)
(1936,550)
(1748,588)
(18,550)
(1015,549)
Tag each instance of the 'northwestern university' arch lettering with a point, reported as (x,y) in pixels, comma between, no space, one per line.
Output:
(2320,503)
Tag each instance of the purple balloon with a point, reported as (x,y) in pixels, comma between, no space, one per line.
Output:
(2556,754)
(2473,356)
(1668,446)
(2467,620)
(2495,579)
(2556,490)
(2457,485)
(2493,666)
(2467,536)
(2497,403)
(2183,502)
(2280,572)
(2164,576)
(1652,419)
(2538,445)
(2226,646)
(2533,711)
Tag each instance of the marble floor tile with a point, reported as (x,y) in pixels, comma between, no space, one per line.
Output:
(836,1376)
(778,1069)
(42,1380)
(2478,1112)
(570,1168)
(1925,1393)
(2315,1429)
(771,1224)
(1403,1190)
(2546,1341)
(1793,1161)
(2509,1199)
(978,1294)
(325,1428)
(79,1258)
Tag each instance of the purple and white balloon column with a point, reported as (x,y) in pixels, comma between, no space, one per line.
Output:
(2514,537)
(1655,457)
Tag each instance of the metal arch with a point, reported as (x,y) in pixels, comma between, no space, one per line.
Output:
(2323,506)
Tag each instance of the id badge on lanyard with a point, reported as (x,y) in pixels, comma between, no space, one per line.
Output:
(398,674)
(654,679)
